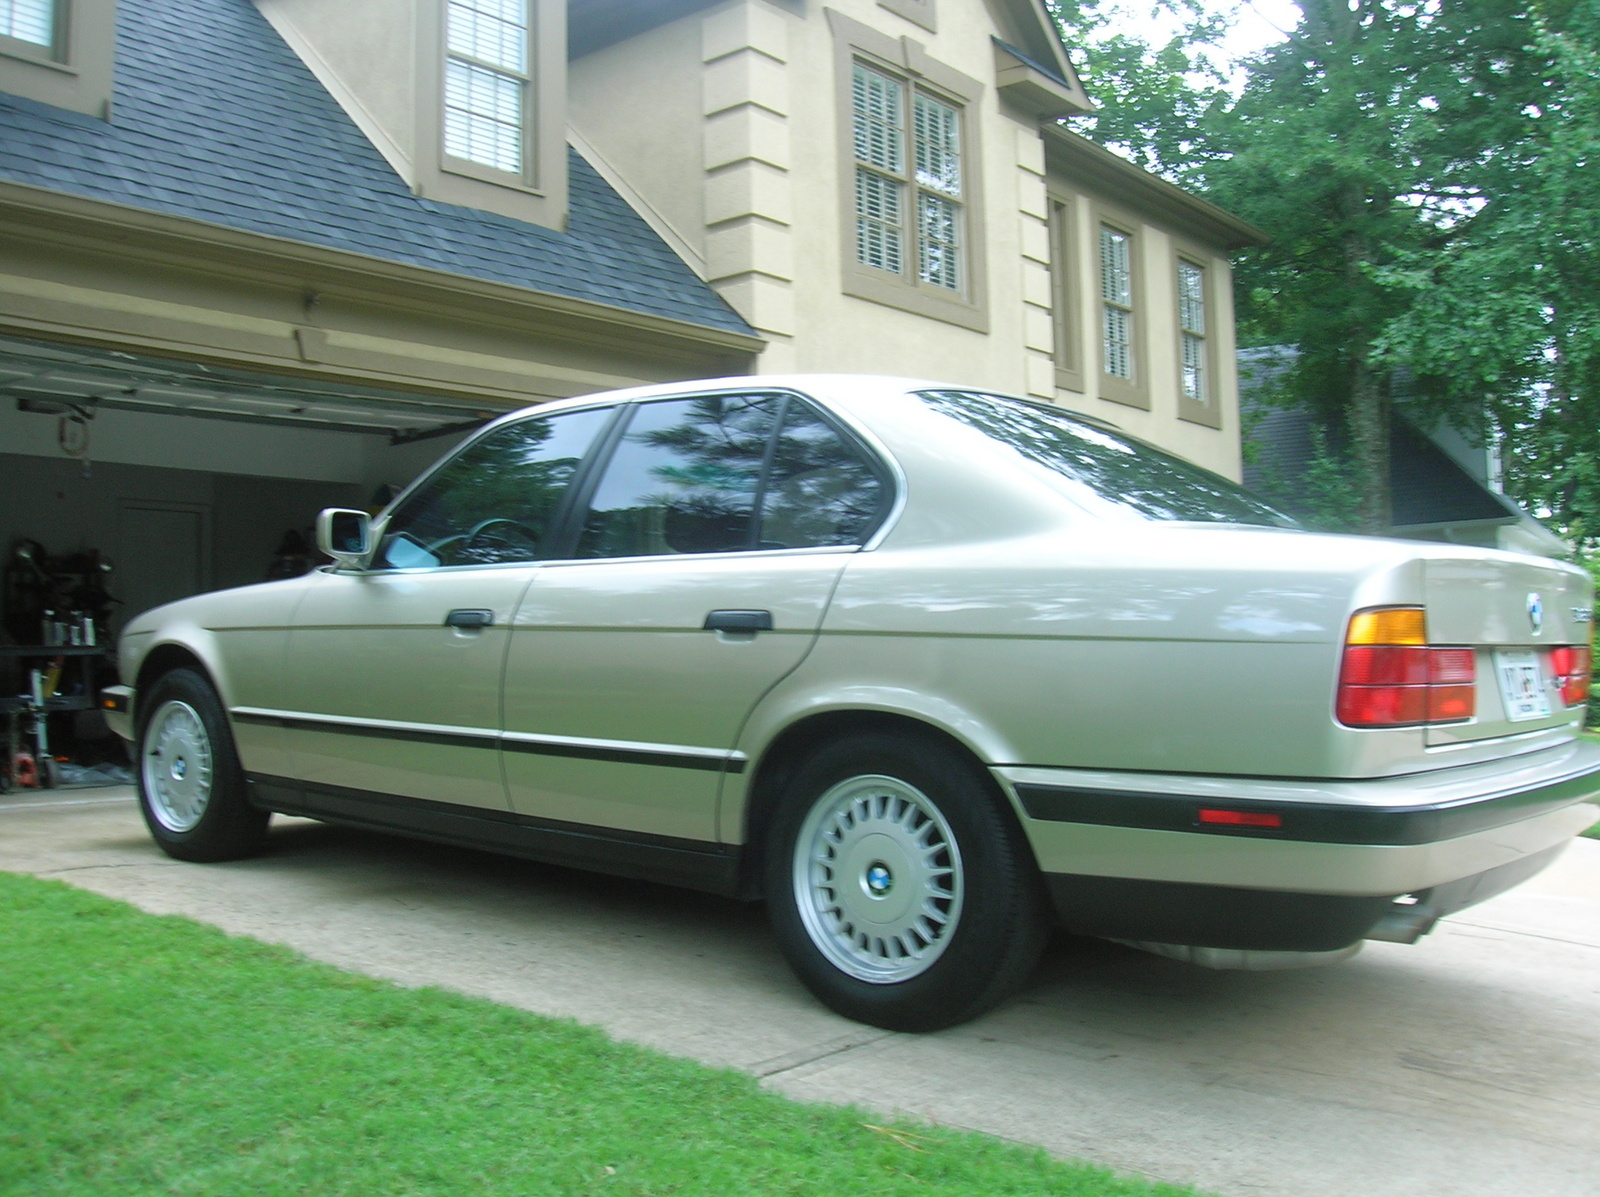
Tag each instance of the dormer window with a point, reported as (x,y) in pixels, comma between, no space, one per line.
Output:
(487,83)
(59,52)
(33,23)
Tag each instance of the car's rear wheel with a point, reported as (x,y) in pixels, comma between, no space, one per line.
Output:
(191,786)
(899,887)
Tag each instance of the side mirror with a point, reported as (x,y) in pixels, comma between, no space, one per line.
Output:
(344,535)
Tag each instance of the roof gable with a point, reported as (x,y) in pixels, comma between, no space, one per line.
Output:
(234,130)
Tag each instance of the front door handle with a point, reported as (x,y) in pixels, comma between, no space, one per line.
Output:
(468,617)
(738,621)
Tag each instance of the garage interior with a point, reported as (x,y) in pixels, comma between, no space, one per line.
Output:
(131,481)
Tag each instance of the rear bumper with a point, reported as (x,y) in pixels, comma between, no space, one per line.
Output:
(1125,855)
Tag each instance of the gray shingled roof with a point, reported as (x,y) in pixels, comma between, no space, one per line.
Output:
(215,119)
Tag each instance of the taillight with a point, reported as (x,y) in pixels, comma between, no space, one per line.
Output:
(1570,664)
(1392,677)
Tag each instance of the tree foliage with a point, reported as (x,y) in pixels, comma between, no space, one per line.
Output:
(1426,174)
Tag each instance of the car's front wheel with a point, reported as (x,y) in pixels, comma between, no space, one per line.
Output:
(899,889)
(191,786)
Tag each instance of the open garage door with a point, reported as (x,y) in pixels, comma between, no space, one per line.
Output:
(189,476)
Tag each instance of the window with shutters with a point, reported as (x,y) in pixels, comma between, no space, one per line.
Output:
(909,164)
(36,24)
(488,90)
(1122,365)
(909,210)
(1198,397)
(59,52)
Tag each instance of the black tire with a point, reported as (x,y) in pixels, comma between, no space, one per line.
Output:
(858,810)
(191,786)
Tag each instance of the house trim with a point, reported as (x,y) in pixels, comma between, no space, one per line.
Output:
(1066,280)
(155,244)
(1079,161)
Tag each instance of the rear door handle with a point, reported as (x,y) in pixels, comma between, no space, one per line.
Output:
(738,621)
(469,617)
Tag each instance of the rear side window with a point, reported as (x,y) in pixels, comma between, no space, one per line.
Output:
(729,473)
(493,502)
(1104,472)
(820,490)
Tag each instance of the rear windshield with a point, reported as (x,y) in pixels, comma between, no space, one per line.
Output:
(1105,472)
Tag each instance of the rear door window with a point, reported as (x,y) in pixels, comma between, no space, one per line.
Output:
(494,501)
(684,478)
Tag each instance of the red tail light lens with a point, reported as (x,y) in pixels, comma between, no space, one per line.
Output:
(1406,682)
(1570,664)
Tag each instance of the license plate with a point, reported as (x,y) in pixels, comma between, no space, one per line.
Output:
(1522,686)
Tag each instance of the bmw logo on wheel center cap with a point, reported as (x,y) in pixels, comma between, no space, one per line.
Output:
(879,880)
(1535,613)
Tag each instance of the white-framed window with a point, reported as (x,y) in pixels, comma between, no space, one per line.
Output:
(1194,375)
(59,52)
(1116,296)
(30,21)
(910,209)
(488,83)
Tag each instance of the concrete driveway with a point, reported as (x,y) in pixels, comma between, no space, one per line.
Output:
(1467,1064)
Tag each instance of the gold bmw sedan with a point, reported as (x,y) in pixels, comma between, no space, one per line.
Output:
(923,667)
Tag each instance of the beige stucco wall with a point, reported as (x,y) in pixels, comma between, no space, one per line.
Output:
(638,104)
(364,52)
(749,89)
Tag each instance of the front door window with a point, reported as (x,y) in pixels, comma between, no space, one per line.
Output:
(494,501)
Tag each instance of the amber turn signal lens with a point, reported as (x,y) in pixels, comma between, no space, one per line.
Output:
(1388,625)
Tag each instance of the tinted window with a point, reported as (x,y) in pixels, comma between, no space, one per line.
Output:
(1102,471)
(492,502)
(820,490)
(684,478)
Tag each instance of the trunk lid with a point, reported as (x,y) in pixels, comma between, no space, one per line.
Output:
(1507,607)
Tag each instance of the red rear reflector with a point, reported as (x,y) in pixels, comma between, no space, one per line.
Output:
(1241,818)
(1391,677)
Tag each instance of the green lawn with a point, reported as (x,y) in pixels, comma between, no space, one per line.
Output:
(143,1055)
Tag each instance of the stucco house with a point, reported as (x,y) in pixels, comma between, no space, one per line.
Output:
(261,257)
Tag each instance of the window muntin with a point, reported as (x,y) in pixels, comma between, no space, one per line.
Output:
(31,21)
(494,501)
(883,124)
(1192,331)
(1103,472)
(487,83)
(1116,295)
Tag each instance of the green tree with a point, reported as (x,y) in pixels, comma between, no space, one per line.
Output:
(1424,171)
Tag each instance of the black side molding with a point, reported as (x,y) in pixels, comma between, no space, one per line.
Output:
(738,621)
(693,864)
